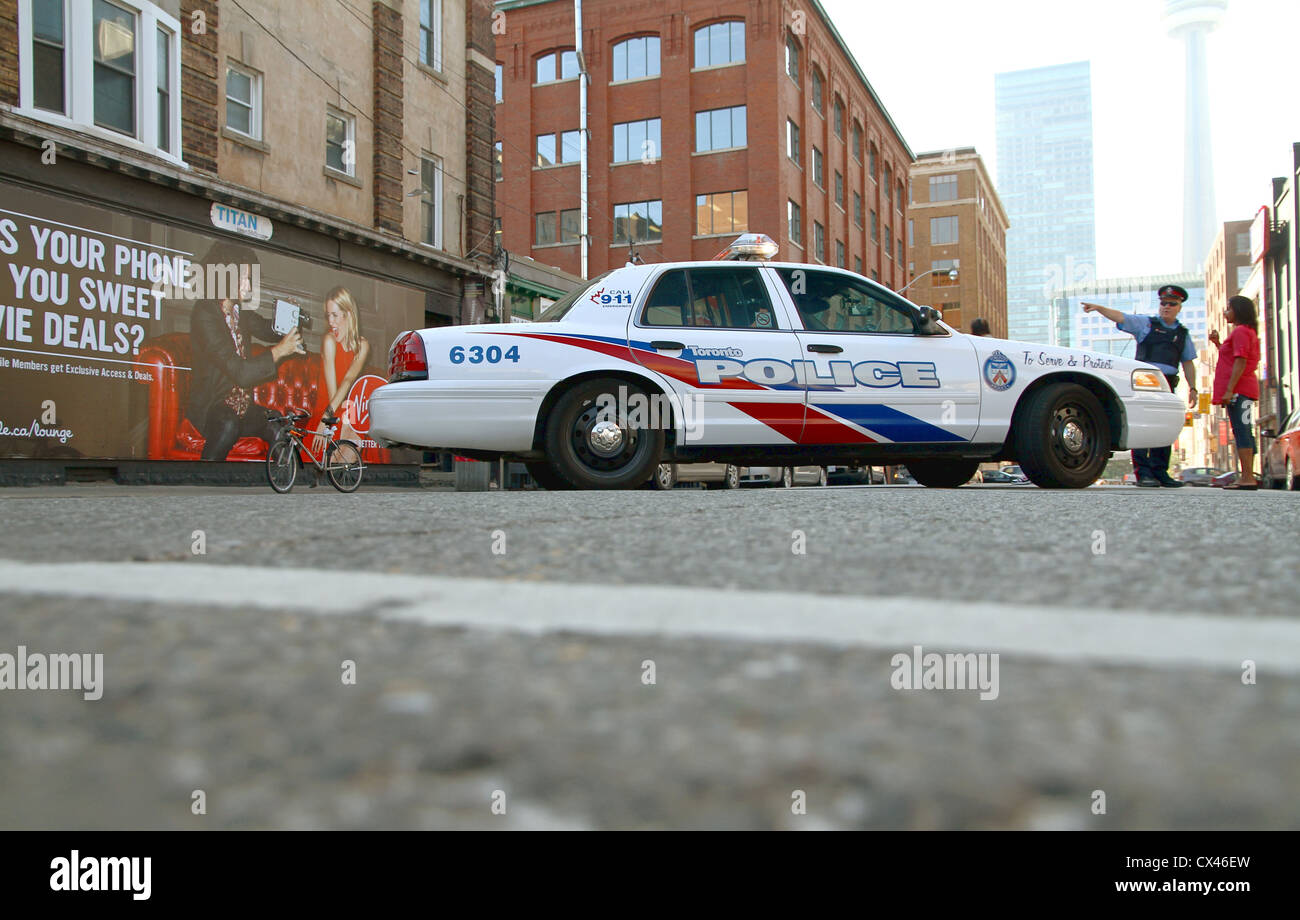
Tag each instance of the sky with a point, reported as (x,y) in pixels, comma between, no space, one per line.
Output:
(937,85)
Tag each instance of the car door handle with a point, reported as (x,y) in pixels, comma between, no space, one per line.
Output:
(667,346)
(825,349)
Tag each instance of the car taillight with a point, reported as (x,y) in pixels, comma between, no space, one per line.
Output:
(406,359)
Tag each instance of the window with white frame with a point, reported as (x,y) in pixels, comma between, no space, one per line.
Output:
(792,140)
(243,100)
(720,129)
(109,67)
(340,141)
(819,167)
(431,201)
(719,44)
(558,65)
(819,242)
(431,33)
(499,78)
(636,140)
(794,222)
(636,58)
(943,231)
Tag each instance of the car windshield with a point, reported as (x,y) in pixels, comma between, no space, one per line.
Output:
(555,312)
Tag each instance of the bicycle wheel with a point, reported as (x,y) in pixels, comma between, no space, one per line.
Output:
(282,464)
(343,466)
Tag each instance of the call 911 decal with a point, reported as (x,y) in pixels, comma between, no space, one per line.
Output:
(612,298)
(774,372)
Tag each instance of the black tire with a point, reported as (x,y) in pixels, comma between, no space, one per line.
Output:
(1061,437)
(343,465)
(546,477)
(730,479)
(626,461)
(943,474)
(664,478)
(282,464)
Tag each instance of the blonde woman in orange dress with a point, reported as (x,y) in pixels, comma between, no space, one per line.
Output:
(343,356)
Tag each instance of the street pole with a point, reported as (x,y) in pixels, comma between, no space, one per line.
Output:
(582,133)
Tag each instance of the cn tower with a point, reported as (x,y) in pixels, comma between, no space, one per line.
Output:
(1192,21)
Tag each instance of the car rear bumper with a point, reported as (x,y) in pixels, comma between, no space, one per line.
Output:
(477,415)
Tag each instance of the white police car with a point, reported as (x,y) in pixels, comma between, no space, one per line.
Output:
(761,363)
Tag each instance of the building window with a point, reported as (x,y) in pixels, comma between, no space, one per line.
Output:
(838,121)
(115,67)
(636,140)
(570,146)
(889,242)
(943,231)
(636,58)
(857,141)
(639,222)
(911,232)
(819,177)
(817,90)
(497,158)
(431,33)
(839,188)
(792,140)
(875,228)
(243,101)
(943,188)
(889,185)
(340,142)
(839,253)
(568,66)
(1243,244)
(546,150)
(500,81)
(941,267)
(571,225)
(162,76)
(871,162)
(49,43)
(875,276)
(857,264)
(900,252)
(792,59)
(720,43)
(722,212)
(545,229)
(898,199)
(794,222)
(431,201)
(720,129)
(819,242)
(857,208)
(569,151)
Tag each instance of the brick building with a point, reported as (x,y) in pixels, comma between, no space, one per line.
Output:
(706,118)
(957,222)
(351,146)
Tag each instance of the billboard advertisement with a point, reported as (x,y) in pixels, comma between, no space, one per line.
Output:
(127,338)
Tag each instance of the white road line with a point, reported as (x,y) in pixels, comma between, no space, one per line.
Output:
(896,623)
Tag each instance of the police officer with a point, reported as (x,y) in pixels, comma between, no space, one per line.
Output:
(1164,342)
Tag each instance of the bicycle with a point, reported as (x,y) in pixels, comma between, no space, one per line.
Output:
(340,461)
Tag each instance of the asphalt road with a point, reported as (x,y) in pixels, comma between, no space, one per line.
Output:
(502,643)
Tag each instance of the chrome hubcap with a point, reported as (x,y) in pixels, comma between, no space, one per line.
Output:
(605,438)
(1072,436)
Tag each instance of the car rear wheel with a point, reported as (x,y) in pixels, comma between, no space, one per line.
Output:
(665,477)
(589,447)
(943,474)
(1062,439)
(729,480)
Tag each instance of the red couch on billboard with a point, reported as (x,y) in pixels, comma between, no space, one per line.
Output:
(298,386)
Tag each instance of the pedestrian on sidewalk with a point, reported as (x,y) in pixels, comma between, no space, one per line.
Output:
(1236,387)
(1165,342)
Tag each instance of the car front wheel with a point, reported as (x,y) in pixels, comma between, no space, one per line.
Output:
(730,480)
(1062,438)
(589,447)
(943,474)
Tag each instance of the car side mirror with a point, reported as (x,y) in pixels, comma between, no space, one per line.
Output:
(1268,433)
(930,321)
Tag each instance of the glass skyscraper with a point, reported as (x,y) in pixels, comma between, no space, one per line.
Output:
(1045,181)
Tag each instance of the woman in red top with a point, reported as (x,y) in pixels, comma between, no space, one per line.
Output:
(343,356)
(1236,387)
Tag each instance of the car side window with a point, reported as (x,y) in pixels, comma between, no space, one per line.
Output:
(721,298)
(838,303)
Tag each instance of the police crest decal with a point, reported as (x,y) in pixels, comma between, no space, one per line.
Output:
(999,372)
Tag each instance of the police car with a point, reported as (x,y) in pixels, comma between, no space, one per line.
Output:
(750,362)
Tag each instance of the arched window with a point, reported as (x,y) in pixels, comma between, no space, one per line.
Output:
(817,90)
(636,58)
(557,65)
(719,44)
(792,58)
(871,162)
(857,140)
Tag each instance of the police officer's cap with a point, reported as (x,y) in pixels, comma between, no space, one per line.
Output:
(1172,290)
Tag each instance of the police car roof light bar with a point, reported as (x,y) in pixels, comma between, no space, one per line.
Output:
(758,247)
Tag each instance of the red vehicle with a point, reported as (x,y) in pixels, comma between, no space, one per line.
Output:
(1282,460)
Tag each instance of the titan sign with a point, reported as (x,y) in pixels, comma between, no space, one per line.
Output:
(106,319)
